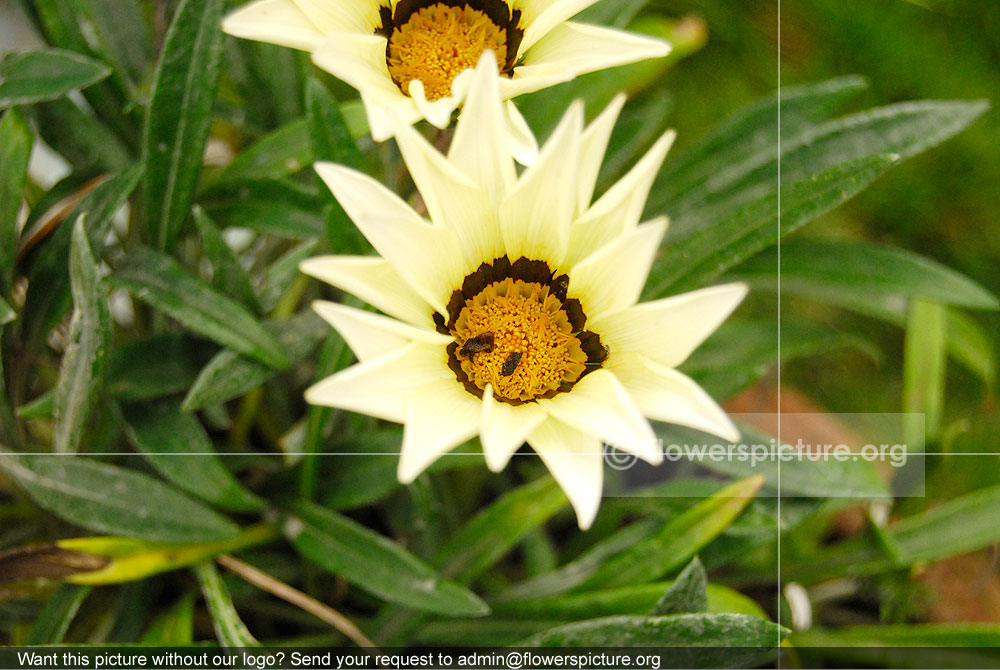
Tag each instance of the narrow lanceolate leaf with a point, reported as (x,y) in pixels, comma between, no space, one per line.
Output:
(51,625)
(85,361)
(376,564)
(640,599)
(159,280)
(228,276)
(749,132)
(109,499)
(277,155)
(47,74)
(678,541)
(229,628)
(175,627)
(903,129)
(331,139)
(707,634)
(16,140)
(48,296)
(499,528)
(687,595)
(955,527)
(179,116)
(826,271)
(127,559)
(230,374)
(742,233)
(178,447)
(924,359)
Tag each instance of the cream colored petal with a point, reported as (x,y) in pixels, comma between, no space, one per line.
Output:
(595,145)
(372,335)
(427,257)
(664,394)
(611,279)
(541,16)
(581,48)
(523,145)
(385,117)
(438,419)
(375,281)
(535,217)
(359,60)
(343,16)
(453,199)
(437,113)
(621,207)
(667,331)
(275,21)
(504,428)
(479,148)
(600,406)
(576,461)
(531,79)
(382,387)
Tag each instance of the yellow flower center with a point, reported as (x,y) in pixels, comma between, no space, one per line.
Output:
(439,42)
(515,336)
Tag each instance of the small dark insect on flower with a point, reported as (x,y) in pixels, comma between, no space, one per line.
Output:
(510,365)
(481,344)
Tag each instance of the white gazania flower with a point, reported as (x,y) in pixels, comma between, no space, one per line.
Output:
(415,57)
(511,314)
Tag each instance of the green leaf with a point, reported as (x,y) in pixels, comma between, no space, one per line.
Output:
(577,571)
(803,477)
(679,540)
(639,599)
(909,635)
(271,206)
(375,563)
(488,536)
(741,352)
(159,280)
(179,115)
(127,559)
(81,374)
(173,628)
(904,130)
(283,272)
(178,447)
(924,359)
(52,623)
(687,595)
(229,628)
(955,527)
(706,637)
(277,155)
(153,367)
(331,139)
(229,375)
(740,234)
(39,408)
(747,133)
(16,140)
(85,141)
(48,295)
(228,275)
(109,499)
(825,271)
(36,76)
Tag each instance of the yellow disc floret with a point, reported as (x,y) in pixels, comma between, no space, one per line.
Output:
(516,337)
(438,43)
